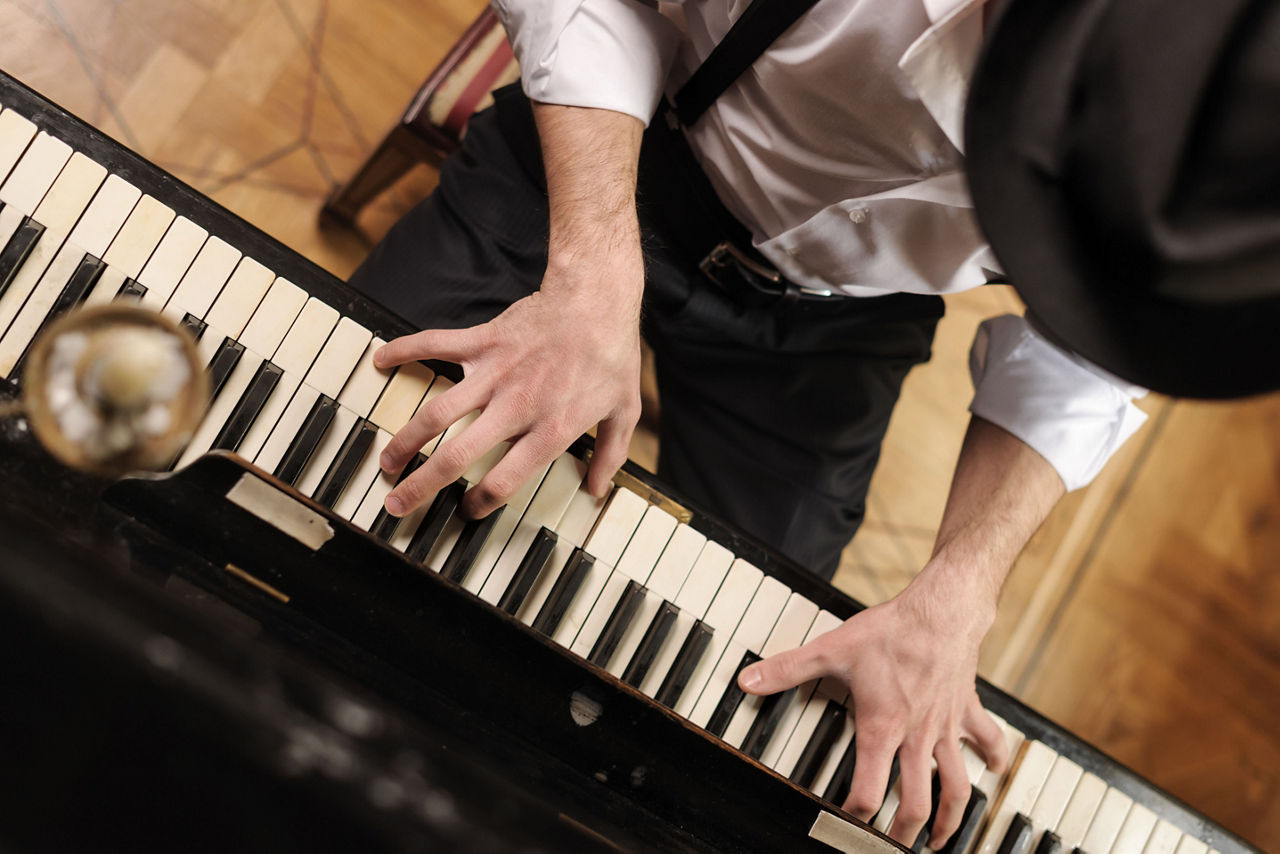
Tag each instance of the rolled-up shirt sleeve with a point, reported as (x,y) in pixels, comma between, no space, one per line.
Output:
(608,54)
(1071,412)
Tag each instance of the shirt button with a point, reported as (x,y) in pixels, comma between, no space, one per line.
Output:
(858,216)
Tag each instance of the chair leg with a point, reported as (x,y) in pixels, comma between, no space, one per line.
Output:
(398,152)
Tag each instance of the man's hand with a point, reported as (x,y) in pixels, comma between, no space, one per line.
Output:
(910,664)
(558,362)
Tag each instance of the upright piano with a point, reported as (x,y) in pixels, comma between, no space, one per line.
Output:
(249,653)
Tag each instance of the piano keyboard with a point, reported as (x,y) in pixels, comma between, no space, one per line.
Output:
(620,582)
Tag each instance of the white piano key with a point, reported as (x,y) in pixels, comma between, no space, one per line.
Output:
(827,770)
(572,529)
(705,579)
(269,415)
(1191,845)
(1080,810)
(211,425)
(1135,831)
(341,353)
(1164,839)
(236,310)
(35,172)
(807,724)
(138,238)
(203,281)
(29,319)
(645,546)
(28,276)
(588,593)
(666,657)
(365,385)
(306,338)
(594,621)
(618,522)
(883,819)
(1054,797)
(16,133)
(106,216)
(822,623)
(1107,821)
(364,477)
(327,451)
(286,428)
(65,202)
(401,397)
(676,562)
(712,689)
(725,612)
(501,532)
(1030,770)
(989,782)
(10,219)
(170,261)
(544,511)
(444,545)
(788,633)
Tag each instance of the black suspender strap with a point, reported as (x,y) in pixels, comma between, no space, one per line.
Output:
(749,37)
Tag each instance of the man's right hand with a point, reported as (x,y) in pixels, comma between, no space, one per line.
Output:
(558,362)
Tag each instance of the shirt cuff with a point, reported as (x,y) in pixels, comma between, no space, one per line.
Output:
(1068,410)
(606,54)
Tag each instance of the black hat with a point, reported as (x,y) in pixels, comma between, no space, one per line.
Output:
(1124,160)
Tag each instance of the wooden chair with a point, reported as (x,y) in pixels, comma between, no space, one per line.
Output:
(435,120)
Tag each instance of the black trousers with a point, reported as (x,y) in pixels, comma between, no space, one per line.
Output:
(773,410)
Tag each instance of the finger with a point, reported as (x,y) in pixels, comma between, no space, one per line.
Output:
(953,792)
(448,463)
(985,734)
(613,440)
(452,345)
(916,795)
(431,419)
(871,773)
(784,670)
(522,462)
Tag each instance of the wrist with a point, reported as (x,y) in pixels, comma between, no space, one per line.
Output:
(957,596)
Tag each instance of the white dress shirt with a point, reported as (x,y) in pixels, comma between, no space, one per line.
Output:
(841,150)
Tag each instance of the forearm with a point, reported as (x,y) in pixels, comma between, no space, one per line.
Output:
(590,157)
(1001,492)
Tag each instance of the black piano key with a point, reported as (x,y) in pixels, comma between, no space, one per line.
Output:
(563,592)
(820,744)
(86,275)
(442,509)
(344,465)
(222,364)
(686,661)
(308,439)
(385,525)
(842,779)
(132,288)
(730,699)
(923,836)
(651,644)
(531,566)
(772,711)
(1050,843)
(974,814)
(465,551)
(251,403)
(618,623)
(1017,839)
(194,325)
(15,252)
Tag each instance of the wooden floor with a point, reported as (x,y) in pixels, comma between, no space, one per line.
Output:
(1145,615)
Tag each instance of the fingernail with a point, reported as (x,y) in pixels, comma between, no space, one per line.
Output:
(380,356)
(386,461)
(750,679)
(394,506)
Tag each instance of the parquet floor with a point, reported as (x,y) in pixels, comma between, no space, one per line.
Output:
(1145,615)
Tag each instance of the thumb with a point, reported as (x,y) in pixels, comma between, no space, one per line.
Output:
(782,671)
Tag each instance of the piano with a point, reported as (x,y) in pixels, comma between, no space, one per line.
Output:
(564,669)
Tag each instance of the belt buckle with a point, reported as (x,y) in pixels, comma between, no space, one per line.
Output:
(759,277)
